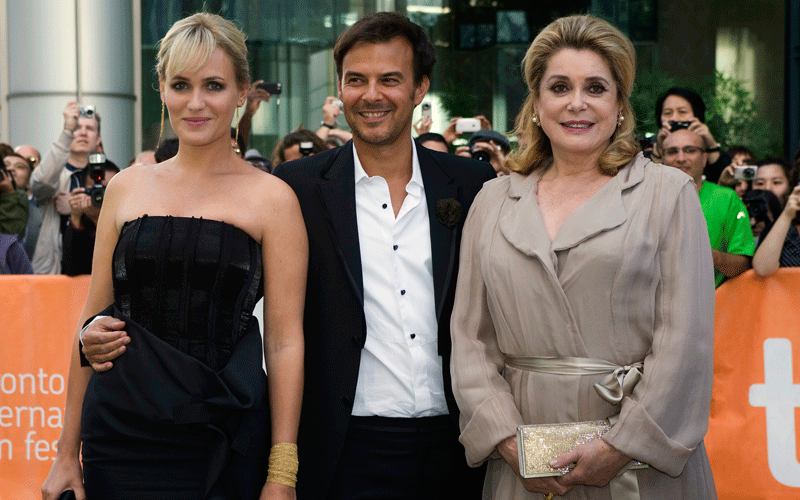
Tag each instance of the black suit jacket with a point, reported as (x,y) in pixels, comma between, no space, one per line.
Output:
(335,326)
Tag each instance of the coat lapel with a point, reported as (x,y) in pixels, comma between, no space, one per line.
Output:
(439,185)
(522,225)
(338,199)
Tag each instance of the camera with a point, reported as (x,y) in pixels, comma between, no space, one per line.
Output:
(272,88)
(87,111)
(673,125)
(479,154)
(426,109)
(4,172)
(468,125)
(97,172)
(745,172)
(306,148)
(339,104)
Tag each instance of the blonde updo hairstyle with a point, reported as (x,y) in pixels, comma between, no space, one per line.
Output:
(580,32)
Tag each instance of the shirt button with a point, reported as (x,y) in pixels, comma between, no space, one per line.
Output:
(395,247)
(413,335)
(385,205)
(402,292)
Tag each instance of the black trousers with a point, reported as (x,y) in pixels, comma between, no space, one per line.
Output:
(404,459)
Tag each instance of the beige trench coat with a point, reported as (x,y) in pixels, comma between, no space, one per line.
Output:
(629,277)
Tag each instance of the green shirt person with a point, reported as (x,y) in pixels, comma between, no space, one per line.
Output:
(732,243)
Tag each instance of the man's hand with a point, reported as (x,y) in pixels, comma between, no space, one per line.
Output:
(71,114)
(330,111)
(104,341)
(450,134)
(255,97)
(62,203)
(423,125)
(496,156)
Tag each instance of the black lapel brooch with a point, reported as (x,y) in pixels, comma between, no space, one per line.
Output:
(448,211)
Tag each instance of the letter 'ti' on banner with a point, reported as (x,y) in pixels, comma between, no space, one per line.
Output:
(780,396)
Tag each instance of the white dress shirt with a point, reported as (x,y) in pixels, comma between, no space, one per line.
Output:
(400,374)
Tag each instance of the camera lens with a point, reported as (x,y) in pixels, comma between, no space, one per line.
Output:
(481,155)
(749,174)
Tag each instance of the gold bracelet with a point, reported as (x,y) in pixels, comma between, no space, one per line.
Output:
(283,464)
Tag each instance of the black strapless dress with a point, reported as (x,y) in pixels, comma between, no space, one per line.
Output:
(183,413)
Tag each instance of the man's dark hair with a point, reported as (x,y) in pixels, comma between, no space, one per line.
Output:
(788,171)
(383,27)
(695,101)
(17,155)
(432,136)
(167,150)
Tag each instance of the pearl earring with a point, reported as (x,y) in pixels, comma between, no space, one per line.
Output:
(620,119)
(535,120)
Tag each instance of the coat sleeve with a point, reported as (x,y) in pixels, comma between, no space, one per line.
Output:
(666,416)
(488,412)
(46,178)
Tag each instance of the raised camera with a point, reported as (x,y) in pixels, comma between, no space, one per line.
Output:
(306,148)
(97,172)
(745,172)
(339,104)
(479,154)
(673,125)
(426,109)
(468,125)
(87,111)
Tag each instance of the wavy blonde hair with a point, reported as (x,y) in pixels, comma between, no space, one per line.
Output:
(580,32)
(189,43)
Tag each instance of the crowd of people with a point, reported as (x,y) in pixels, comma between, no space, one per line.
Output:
(420,293)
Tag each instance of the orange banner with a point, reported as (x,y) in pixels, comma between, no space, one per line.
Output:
(753,433)
(38,316)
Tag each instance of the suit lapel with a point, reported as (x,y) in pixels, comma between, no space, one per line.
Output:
(439,185)
(338,199)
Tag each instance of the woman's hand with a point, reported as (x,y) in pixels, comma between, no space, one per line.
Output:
(65,474)
(792,204)
(277,491)
(596,463)
(544,485)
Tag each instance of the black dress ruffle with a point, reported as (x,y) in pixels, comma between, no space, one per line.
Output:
(183,413)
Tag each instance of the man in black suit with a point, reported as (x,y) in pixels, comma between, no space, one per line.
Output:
(384,218)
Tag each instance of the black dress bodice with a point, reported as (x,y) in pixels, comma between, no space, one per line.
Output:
(191,282)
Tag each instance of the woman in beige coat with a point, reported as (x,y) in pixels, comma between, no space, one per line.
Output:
(590,254)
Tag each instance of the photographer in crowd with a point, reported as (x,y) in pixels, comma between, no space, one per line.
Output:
(488,146)
(780,243)
(296,145)
(678,109)
(81,228)
(13,199)
(30,153)
(329,128)
(21,169)
(728,224)
(62,170)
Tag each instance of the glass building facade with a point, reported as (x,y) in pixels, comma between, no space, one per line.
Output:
(480,45)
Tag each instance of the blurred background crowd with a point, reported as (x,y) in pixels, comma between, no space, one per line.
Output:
(720,115)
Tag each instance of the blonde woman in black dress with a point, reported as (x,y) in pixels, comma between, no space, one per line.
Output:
(185,249)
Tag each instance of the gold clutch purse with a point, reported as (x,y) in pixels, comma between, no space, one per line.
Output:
(540,443)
